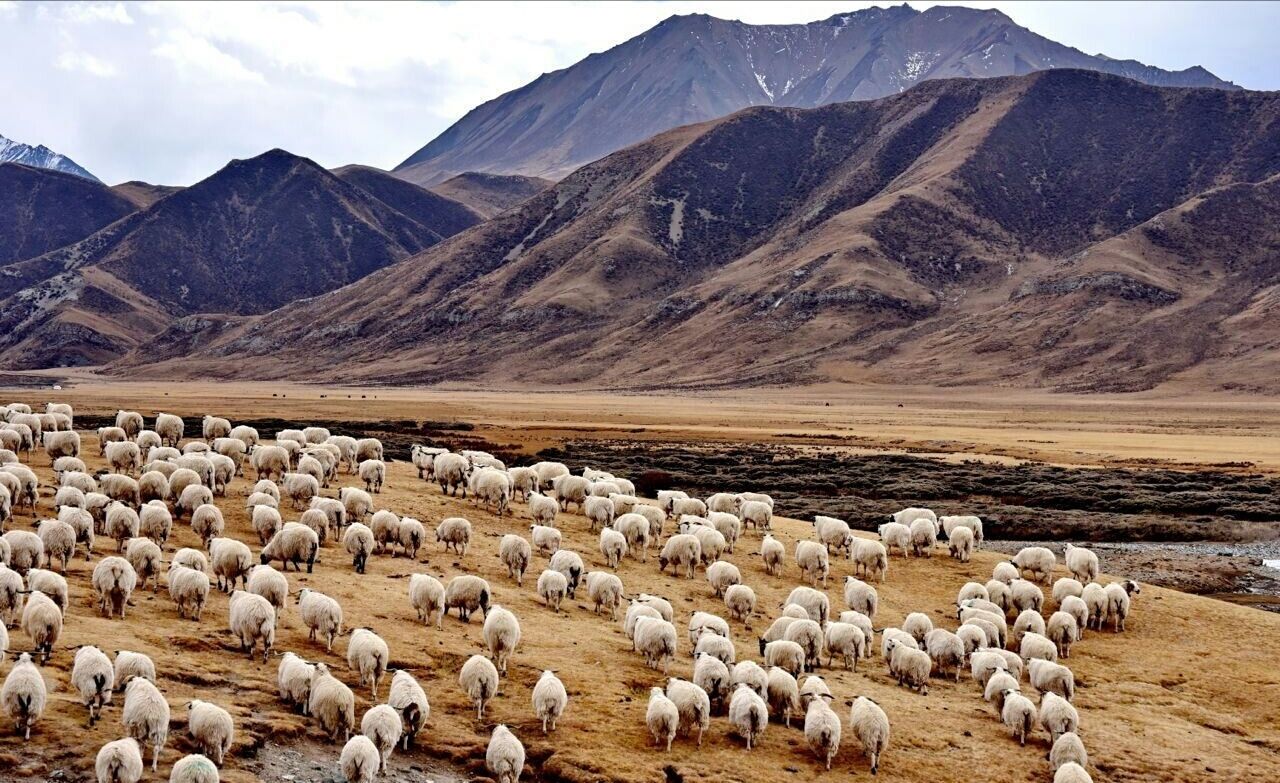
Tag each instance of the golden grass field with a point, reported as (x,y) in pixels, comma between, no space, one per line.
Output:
(1190,692)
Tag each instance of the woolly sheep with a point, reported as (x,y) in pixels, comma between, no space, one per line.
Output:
(146,716)
(293,680)
(951,523)
(1081,562)
(27,486)
(634,528)
(1062,631)
(655,639)
(911,667)
(613,546)
(410,702)
(359,543)
(189,589)
(946,650)
(845,641)
(570,489)
(1066,587)
(26,550)
(479,680)
(207,522)
(870,558)
(1034,645)
(148,440)
(145,557)
(1025,594)
(109,435)
(718,647)
(812,558)
(270,462)
(726,525)
(808,634)
(832,533)
(210,728)
(568,563)
(192,497)
(130,665)
(58,540)
(782,694)
(862,597)
(357,503)
(748,714)
(543,509)
(368,448)
(385,526)
(772,554)
(114,580)
(552,588)
(822,729)
(1096,601)
(423,458)
(740,600)
(333,705)
(515,553)
(410,535)
(455,533)
(1005,572)
(299,488)
(318,521)
(194,768)
(700,622)
(1050,677)
(501,634)
(368,655)
(1118,602)
(122,523)
(119,761)
(871,727)
(992,625)
(24,695)
(1018,714)
(231,561)
(549,699)
(467,593)
(604,590)
(749,672)
(492,487)
(894,634)
(1036,561)
(123,457)
(814,602)
(61,444)
(998,593)
(504,757)
(383,726)
(1001,682)
(1067,749)
(1029,620)
(1079,611)
(1071,772)
(92,676)
(168,427)
(923,535)
(662,718)
(294,543)
(1057,716)
(711,675)
(51,584)
(895,535)
(692,704)
(960,544)
(266,523)
(251,619)
(655,515)
(786,654)
(451,473)
(155,522)
(321,614)
(908,515)
(682,550)
(270,584)
(756,513)
(667,499)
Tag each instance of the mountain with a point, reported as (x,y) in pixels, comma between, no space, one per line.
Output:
(256,235)
(690,69)
(491,194)
(40,157)
(1010,230)
(443,216)
(143,194)
(42,209)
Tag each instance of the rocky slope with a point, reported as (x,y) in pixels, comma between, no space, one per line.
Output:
(491,194)
(42,210)
(1007,230)
(694,68)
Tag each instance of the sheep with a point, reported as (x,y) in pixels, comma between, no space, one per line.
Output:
(359,543)
(114,580)
(383,726)
(604,590)
(335,512)
(911,667)
(385,526)
(748,714)
(951,523)
(692,704)
(635,529)
(655,639)
(946,651)
(1036,561)
(1013,663)
(1118,602)
(318,521)
(321,614)
(266,522)
(24,695)
(757,513)
(1057,716)
(662,718)
(207,522)
(368,448)
(1034,645)
(515,553)
(870,558)
(210,728)
(1066,587)
(613,546)
(861,597)
(410,535)
(251,619)
(467,593)
(711,674)
(688,507)
(814,602)
(192,497)
(782,693)
(423,457)
(293,680)
(1029,620)
(189,589)
(568,562)
(1072,772)
(145,557)
(333,705)
(11,590)
(1062,631)
(1006,572)
(451,473)
(960,544)
(570,489)
(1096,602)
(368,654)
(270,584)
(871,726)
(822,729)
(924,533)
(681,551)
(552,587)
(169,428)
(772,554)
(294,543)
(269,462)
(832,533)
(479,680)
(993,625)
(26,487)
(455,533)
(26,550)
(862,623)
(504,757)
(51,584)
(300,488)
(194,768)
(667,499)
(156,523)
(1051,677)
(58,540)
(146,716)
(129,422)
(784,653)
(122,523)
(972,590)
(812,558)
(356,502)
(655,516)
(410,703)
(1000,594)
(501,634)
(705,621)
(910,514)
(1067,749)
(1001,682)
(179,478)
(108,435)
(233,449)
(61,444)
(1079,611)
(715,645)
(727,525)
(92,676)
(1018,714)
(1081,562)
(130,665)
(740,600)
(119,761)
(808,634)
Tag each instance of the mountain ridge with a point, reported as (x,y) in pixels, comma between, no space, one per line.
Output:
(41,157)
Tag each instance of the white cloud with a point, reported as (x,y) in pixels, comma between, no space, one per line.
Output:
(87,13)
(87,63)
(199,59)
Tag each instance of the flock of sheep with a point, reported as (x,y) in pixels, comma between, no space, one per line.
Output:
(155,480)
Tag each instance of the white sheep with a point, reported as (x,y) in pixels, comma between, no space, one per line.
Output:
(740,600)
(251,619)
(605,591)
(123,457)
(167,426)
(1029,620)
(549,699)
(1037,646)
(300,488)
(1018,714)
(24,695)
(492,487)
(751,673)
(58,540)
(145,557)
(130,664)
(114,580)
(410,702)
(504,757)
(194,768)
(757,513)
(833,533)
(1057,716)
(748,714)
(861,597)
(785,654)
(359,761)
(1081,562)
(191,498)
(711,675)
(1051,677)
(822,729)
(613,546)
(211,729)
(333,705)
(772,554)
(635,529)
(270,584)
(681,551)
(515,553)
(871,726)
(455,533)
(207,522)
(568,563)
(321,614)
(946,650)
(814,563)
(294,543)
(1071,772)
(501,634)
(293,680)
(552,588)
(960,544)
(42,622)
(1079,611)
(1025,594)
(155,522)
(383,726)
(909,666)
(92,676)
(479,680)
(1037,561)
(1062,630)
(870,558)
(924,533)
(1067,749)
(910,514)
(692,704)
(814,603)
(467,593)
(655,639)
(1001,681)
(189,589)
(410,535)
(662,718)
(146,716)
(119,761)
(1118,602)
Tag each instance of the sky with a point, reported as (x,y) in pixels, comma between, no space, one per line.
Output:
(169,92)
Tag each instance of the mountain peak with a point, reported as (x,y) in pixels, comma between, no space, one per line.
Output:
(693,68)
(42,157)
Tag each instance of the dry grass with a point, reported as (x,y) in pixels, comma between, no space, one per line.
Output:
(1188,693)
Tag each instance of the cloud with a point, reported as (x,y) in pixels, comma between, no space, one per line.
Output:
(87,13)
(87,63)
(200,60)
